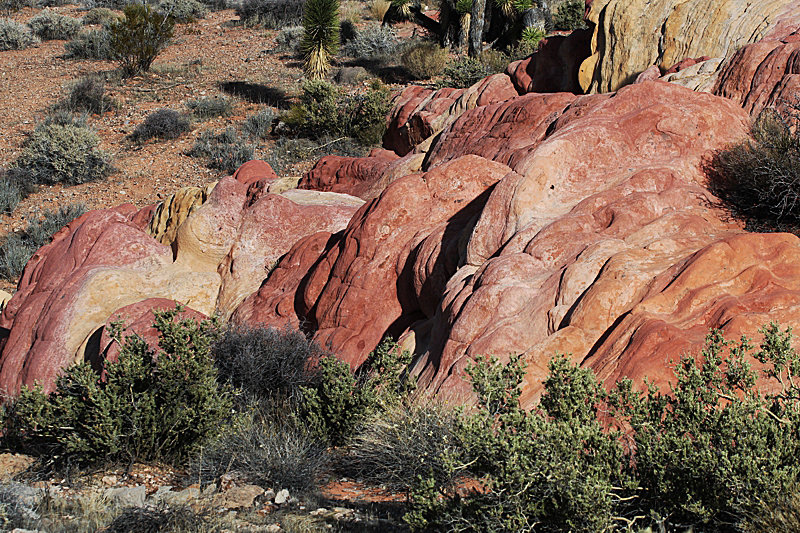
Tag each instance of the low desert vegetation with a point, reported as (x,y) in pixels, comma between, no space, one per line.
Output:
(90,44)
(210,107)
(569,16)
(757,178)
(270,14)
(225,151)
(48,25)
(15,35)
(163,124)
(87,95)
(137,39)
(19,247)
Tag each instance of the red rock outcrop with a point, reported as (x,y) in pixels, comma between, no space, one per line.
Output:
(357,176)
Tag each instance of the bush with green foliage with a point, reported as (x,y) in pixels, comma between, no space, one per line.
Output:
(373,43)
(182,11)
(15,36)
(19,247)
(162,124)
(48,26)
(151,405)
(570,16)
(91,44)
(287,151)
(289,41)
(224,151)
(757,179)
(12,6)
(271,14)
(210,107)
(712,453)
(87,95)
(63,150)
(338,404)
(320,36)
(137,40)
(324,109)
(424,60)
(465,72)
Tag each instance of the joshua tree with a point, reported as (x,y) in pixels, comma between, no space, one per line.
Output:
(320,37)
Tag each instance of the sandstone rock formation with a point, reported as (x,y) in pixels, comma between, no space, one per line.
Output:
(103,262)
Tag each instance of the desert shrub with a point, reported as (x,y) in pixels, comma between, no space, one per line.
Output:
(17,508)
(99,15)
(403,444)
(15,185)
(424,60)
(19,247)
(532,36)
(259,125)
(15,36)
(289,41)
(225,151)
(162,124)
(335,406)
(215,5)
(63,151)
(157,520)
(324,109)
(757,179)
(269,449)
(464,72)
(265,363)
(320,36)
(570,16)
(210,107)
(495,60)
(271,14)
(182,10)
(92,44)
(378,9)
(48,26)
(87,95)
(286,151)
(373,43)
(137,39)
(151,405)
(12,6)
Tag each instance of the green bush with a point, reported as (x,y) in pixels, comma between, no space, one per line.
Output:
(424,60)
(163,124)
(712,453)
(182,10)
(138,38)
(570,16)
(92,44)
(757,178)
(48,26)
(15,36)
(286,152)
(289,41)
(225,151)
(12,6)
(323,109)
(271,14)
(87,95)
(19,247)
(336,406)
(465,72)
(210,107)
(151,405)
(63,151)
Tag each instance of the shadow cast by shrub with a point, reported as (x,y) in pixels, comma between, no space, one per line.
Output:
(255,93)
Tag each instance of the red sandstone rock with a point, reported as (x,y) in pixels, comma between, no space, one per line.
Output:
(254,171)
(357,176)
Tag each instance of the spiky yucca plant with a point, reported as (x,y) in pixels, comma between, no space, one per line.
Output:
(320,36)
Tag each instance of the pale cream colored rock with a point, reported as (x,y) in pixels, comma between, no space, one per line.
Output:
(173,211)
(700,77)
(631,35)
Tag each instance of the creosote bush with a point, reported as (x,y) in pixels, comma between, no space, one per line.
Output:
(163,124)
(15,36)
(570,16)
(48,25)
(759,178)
(19,247)
(137,40)
(465,72)
(151,405)
(224,151)
(424,60)
(63,150)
